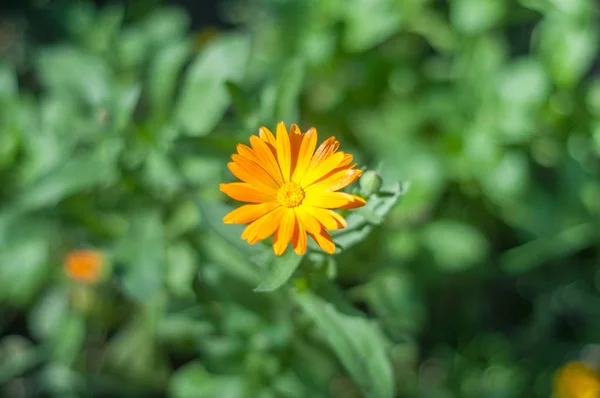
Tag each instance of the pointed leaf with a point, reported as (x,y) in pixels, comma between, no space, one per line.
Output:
(76,174)
(142,252)
(362,221)
(204,98)
(280,271)
(192,381)
(358,343)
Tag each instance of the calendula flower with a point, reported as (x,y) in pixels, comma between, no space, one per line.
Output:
(576,380)
(84,265)
(291,188)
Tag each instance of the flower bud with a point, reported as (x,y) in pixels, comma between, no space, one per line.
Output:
(370,183)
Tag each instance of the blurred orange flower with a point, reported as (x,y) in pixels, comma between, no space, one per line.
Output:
(576,380)
(291,187)
(84,265)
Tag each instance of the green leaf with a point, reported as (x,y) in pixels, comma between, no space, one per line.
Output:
(280,271)
(455,246)
(9,143)
(192,381)
(509,180)
(74,175)
(201,106)
(236,263)
(548,248)
(71,71)
(97,30)
(183,329)
(134,350)
(362,221)
(160,174)
(243,104)
(60,380)
(575,8)
(142,252)
(592,98)
(18,356)
(49,312)
(8,82)
(23,269)
(322,369)
(568,47)
(205,98)
(288,92)
(125,99)
(359,344)
(183,219)
(132,48)
(524,83)
(475,16)
(166,25)
(393,296)
(370,22)
(164,74)
(182,268)
(68,339)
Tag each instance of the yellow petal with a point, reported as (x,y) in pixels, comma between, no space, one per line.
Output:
(284,155)
(266,158)
(333,200)
(329,146)
(252,173)
(266,135)
(324,241)
(284,233)
(249,213)
(305,152)
(295,137)
(310,223)
(335,181)
(357,202)
(247,152)
(346,160)
(246,193)
(295,141)
(264,226)
(299,239)
(321,169)
(329,219)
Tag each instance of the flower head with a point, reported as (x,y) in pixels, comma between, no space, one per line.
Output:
(291,187)
(84,265)
(576,380)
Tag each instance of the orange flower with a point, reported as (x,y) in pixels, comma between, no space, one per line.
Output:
(84,265)
(291,188)
(576,380)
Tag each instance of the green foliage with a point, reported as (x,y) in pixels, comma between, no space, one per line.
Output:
(281,270)
(471,271)
(358,343)
(204,98)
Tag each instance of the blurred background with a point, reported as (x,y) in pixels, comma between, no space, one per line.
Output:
(117,118)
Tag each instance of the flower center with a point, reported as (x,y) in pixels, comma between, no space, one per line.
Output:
(290,194)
